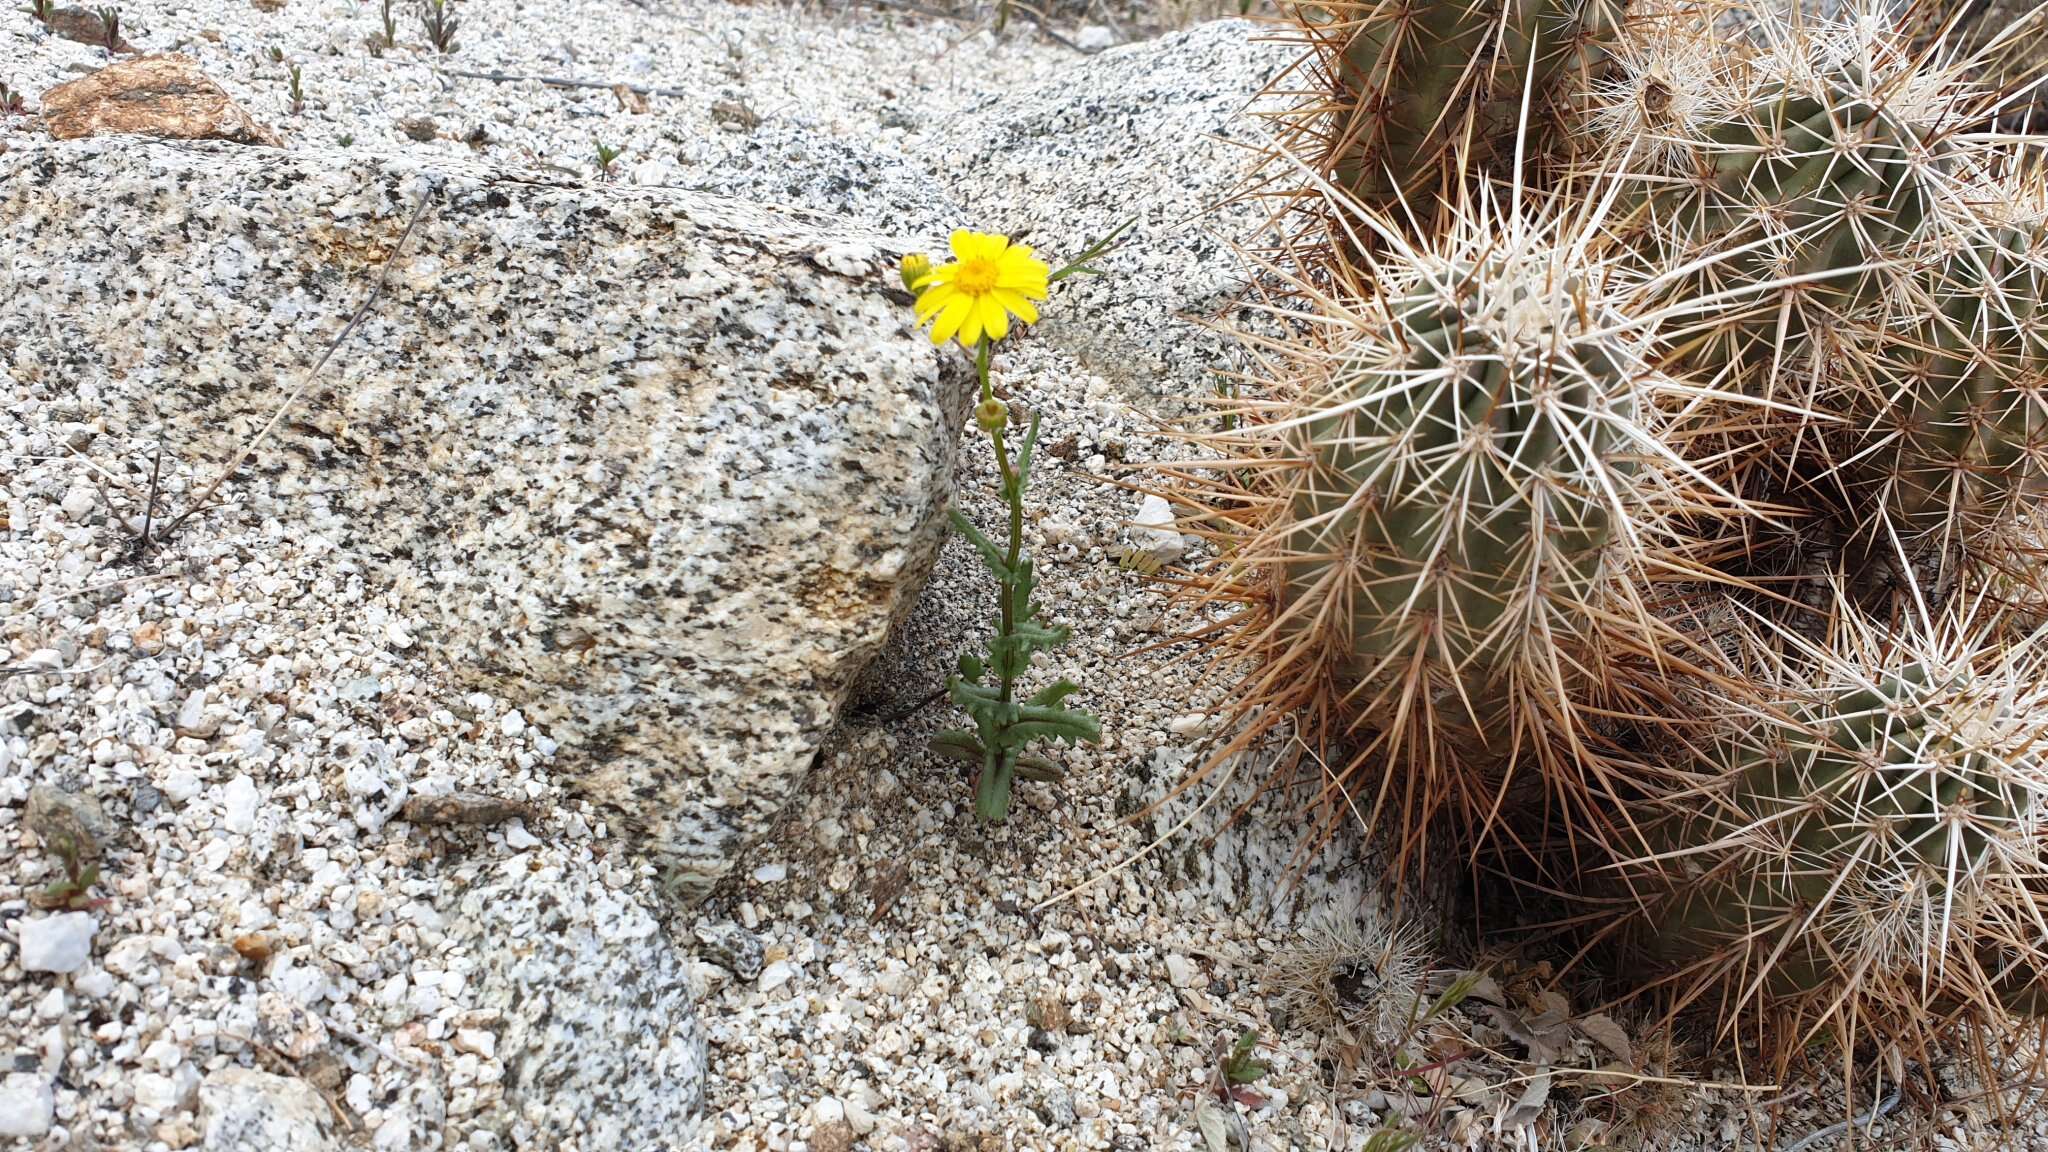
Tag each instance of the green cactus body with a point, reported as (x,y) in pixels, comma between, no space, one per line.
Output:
(1850,833)
(1461,493)
(1426,89)
(1957,447)
(1814,194)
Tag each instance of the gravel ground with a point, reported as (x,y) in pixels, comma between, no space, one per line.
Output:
(882,974)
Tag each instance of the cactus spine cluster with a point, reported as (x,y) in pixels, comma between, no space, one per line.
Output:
(1422,92)
(1873,831)
(1466,459)
(1775,355)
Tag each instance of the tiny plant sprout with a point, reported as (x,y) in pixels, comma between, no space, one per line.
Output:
(390,25)
(10,102)
(438,19)
(110,24)
(43,11)
(972,300)
(607,156)
(298,91)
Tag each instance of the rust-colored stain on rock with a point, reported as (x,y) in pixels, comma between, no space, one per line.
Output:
(165,95)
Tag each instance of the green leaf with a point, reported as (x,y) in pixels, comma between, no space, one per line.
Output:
(958,744)
(970,667)
(1073,727)
(1024,453)
(1240,1068)
(991,555)
(1094,251)
(992,794)
(1039,769)
(1053,693)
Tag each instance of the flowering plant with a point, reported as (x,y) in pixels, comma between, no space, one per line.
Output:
(972,299)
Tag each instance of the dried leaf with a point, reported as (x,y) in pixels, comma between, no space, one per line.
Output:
(1530,1106)
(1587,1133)
(1221,1127)
(1602,1030)
(1543,1038)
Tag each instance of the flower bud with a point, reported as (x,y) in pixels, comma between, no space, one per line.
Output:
(916,266)
(991,415)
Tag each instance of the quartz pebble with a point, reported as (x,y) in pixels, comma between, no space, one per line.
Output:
(61,942)
(27,1104)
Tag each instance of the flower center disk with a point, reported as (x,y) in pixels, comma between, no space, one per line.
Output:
(976,277)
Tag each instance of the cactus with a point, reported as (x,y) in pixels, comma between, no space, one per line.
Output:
(1950,435)
(1870,850)
(1411,96)
(1799,190)
(1430,514)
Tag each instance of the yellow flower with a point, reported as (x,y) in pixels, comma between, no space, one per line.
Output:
(916,266)
(989,280)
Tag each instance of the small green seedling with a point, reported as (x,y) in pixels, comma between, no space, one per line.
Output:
(1237,1068)
(606,157)
(390,26)
(73,892)
(438,18)
(10,102)
(298,91)
(110,22)
(43,11)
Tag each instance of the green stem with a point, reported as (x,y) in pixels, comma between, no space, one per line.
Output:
(992,797)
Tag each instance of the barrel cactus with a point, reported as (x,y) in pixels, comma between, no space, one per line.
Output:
(1868,849)
(1429,516)
(1797,185)
(1948,436)
(1411,97)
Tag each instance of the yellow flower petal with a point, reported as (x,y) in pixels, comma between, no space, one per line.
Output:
(963,244)
(956,311)
(993,318)
(1016,302)
(933,299)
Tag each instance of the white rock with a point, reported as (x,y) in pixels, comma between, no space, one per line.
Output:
(775,975)
(52,1005)
(238,805)
(1182,972)
(771,873)
(512,723)
(244,1110)
(1095,38)
(192,713)
(481,1041)
(1153,532)
(79,502)
(95,983)
(859,1117)
(591,961)
(163,1055)
(518,838)
(59,943)
(27,1104)
(827,1110)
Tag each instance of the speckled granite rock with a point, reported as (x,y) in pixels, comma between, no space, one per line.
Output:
(587,1005)
(244,1110)
(1162,135)
(659,467)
